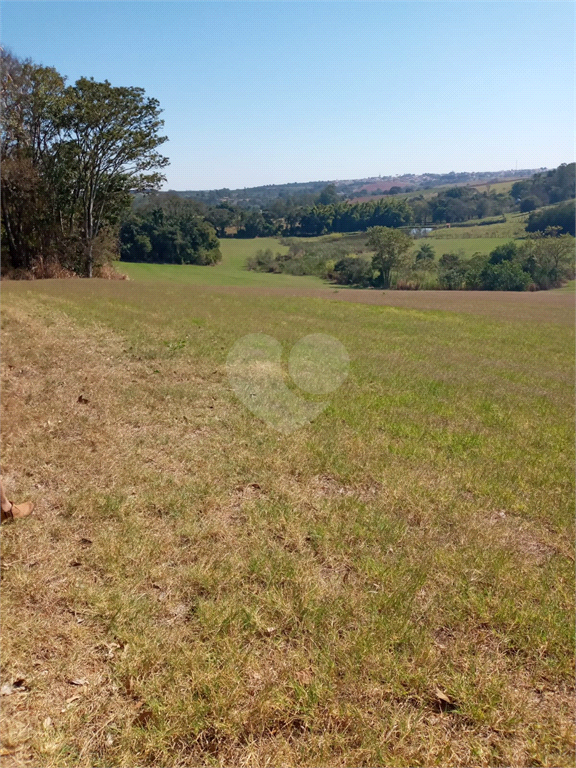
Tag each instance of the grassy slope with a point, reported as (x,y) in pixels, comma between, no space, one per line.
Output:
(469,245)
(231,270)
(513,227)
(391,585)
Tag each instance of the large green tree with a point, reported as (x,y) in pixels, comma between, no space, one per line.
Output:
(391,250)
(71,156)
(549,257)
(109,140)
(30,101)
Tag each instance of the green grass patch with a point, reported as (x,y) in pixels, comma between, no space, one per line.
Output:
(230,271)
(391,584)
(469,245)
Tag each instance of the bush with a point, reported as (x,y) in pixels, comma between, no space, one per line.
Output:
(451,271)
(506,276)
(263,261)
(353,270)
(530,204)
(548,258)
(506,252)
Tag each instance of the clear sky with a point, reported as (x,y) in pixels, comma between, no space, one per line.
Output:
(274,92)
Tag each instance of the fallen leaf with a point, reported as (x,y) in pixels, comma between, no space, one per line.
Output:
(443,702)
(79,681)
(75,563)
(18,686)
(85,542)
(442,696)
(47,723)
(73,698)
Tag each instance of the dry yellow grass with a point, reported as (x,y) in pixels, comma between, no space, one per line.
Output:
(392,585)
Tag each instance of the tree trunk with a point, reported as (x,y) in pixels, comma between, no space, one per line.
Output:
(13,250)
(90,259)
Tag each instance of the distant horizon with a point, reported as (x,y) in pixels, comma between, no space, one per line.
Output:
(536,169)
(259,93)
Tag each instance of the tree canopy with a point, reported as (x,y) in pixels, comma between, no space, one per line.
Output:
(169,233)
(391,248)
(71,157)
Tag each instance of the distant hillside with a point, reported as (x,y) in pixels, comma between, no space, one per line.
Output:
(544,188)
(305,193)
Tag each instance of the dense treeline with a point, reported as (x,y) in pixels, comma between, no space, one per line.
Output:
(346,217)
(542,261)
(562,216)
(288,219)
(459,204)
(324,212)
(169,232)
(71,155)
(544,188)
(387,257)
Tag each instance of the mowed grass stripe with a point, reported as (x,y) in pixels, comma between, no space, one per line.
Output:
(251,598)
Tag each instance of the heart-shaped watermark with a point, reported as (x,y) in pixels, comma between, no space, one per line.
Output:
(317,365)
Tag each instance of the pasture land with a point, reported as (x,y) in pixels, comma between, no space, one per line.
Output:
(468,245)
(497,186)
(391,585)
(513,227)
(230,271)
(500,187)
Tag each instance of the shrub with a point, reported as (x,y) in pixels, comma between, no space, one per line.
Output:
(530,204)
(353,270)
(506,252)
(262,261)
(506,276)
(451,271)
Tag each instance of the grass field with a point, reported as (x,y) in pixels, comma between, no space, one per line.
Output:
(469,245)
(513,227)
(391,585)
(498,187)
(230,271)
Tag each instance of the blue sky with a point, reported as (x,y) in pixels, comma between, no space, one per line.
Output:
(275,92)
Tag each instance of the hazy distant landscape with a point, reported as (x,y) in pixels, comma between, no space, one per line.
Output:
(373,186)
